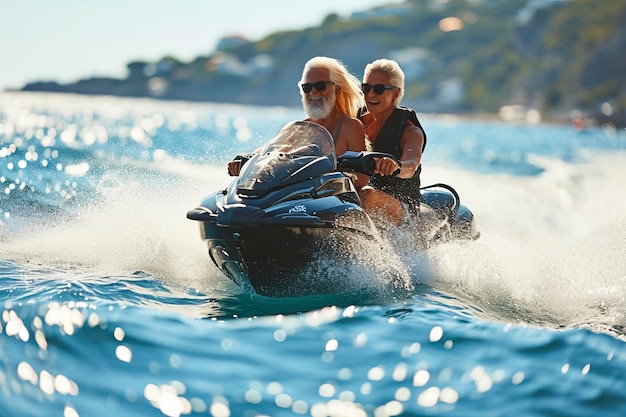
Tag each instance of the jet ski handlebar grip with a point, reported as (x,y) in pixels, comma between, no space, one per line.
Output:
(363,162)
(397,171)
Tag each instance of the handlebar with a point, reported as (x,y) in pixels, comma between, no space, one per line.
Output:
(363,162)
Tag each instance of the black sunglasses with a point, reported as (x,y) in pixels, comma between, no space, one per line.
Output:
(319,86)
(378,88)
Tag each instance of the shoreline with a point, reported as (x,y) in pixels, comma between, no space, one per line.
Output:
(515,114)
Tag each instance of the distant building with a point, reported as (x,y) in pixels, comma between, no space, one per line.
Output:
(451,92)
(136,70)
(383,11)
(230,42)
(225,63)
(261,64)
(415,62)
(527,13)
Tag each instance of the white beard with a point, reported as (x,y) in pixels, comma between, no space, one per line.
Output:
(318,109)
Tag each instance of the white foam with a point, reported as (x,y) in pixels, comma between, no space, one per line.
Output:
(552,246)
(551,252)
(135,225)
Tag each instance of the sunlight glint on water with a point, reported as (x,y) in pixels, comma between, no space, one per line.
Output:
(102,274)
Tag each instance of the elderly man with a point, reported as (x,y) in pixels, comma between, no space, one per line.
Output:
(331,97)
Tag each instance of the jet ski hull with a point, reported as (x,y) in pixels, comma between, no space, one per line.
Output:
(266,245)
(270,257)
(293,205)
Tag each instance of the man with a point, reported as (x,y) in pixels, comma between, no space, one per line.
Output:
(331,97)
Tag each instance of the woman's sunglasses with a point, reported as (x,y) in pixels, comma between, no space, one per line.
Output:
(319,86)
(378,88)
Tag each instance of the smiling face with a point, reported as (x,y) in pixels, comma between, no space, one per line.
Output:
(377,104)
(318,104)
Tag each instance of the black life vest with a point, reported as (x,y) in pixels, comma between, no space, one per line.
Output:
(406,190)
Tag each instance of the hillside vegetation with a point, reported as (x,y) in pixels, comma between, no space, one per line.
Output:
(459,56)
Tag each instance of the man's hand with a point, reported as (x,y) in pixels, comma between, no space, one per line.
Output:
(234,167)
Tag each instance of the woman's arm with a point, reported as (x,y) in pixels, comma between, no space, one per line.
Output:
(411,143)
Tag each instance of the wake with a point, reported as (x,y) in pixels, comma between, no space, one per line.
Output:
(550,253)
(136,223)
(551,250)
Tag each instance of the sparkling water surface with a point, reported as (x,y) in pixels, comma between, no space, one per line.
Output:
(110,304)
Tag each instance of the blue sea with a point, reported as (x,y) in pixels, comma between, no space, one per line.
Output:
(110,305)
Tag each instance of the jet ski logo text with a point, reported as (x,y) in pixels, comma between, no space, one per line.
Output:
(298,209)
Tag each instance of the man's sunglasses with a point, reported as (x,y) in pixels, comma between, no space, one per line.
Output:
(378,88)
(319,86)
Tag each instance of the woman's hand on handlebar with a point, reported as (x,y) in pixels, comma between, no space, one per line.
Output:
(387,166)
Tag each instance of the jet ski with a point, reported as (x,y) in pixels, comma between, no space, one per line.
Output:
(295,200)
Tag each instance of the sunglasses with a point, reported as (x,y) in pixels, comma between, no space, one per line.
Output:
(319,86)
(378,88)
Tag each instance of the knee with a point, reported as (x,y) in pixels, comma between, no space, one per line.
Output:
(368,196)
(383,204)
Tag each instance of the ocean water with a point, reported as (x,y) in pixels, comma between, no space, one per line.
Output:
(110,305)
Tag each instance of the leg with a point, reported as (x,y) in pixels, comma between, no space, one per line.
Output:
(381,204)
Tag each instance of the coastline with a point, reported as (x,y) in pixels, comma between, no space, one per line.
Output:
(519,115)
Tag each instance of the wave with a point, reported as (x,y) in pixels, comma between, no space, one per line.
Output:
(551,250)
(551,246)
(136,222)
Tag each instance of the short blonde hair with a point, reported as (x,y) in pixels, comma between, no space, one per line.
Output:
(392,70)
(350,97)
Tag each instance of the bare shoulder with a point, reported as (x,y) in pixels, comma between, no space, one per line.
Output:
(353,128)
(412,131)
(412,136)
(353,123)
(351,137)
(356,133)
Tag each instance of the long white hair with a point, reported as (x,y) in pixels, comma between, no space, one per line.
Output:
(349,97)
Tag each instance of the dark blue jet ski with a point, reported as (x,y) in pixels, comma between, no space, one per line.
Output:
(294,200)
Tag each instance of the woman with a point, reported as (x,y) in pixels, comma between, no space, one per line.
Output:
(396,130)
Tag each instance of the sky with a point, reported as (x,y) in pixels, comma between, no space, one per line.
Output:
(66,40)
